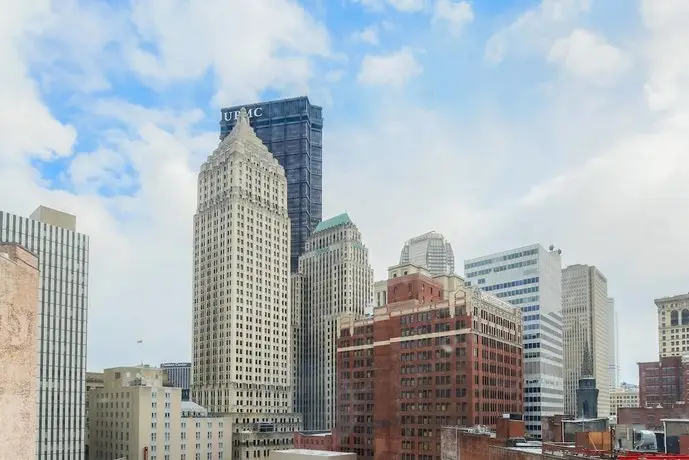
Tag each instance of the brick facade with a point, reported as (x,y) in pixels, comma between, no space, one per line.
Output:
(315,441)
(651,417)
(662,382)
(422,363)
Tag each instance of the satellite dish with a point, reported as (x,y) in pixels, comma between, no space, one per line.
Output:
(559,251)
(551,247)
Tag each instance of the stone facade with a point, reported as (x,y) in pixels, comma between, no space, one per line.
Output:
(18,352)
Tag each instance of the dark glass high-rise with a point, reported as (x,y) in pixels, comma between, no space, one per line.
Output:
(292,129)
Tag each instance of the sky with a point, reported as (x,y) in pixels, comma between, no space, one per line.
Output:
(499,124)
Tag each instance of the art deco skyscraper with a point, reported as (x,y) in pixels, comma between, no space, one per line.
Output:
(586,325)
(431,251)
(334,277)
(63,264)
(242,346)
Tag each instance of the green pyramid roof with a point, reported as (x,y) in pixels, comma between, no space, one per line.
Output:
(333,222)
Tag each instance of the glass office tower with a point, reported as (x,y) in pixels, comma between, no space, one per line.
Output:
(292,130)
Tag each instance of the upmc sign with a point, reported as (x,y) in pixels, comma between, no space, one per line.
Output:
(232,115)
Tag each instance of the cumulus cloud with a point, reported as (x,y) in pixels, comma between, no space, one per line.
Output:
(367,35)
(405,6)
(455,14)
(394,69)
(589,56)
(535,29)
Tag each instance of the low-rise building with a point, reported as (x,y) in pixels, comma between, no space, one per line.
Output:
(315,440)
(136,417)
(623,397)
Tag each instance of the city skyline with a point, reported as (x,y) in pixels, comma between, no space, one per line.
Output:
(117,137)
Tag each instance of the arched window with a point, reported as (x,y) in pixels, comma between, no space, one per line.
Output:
(674,318)
(685,317)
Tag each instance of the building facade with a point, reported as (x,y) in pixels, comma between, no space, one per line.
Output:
(437,354)
(93,380)
(134,416)
(380,293)
(673,325)
(179,375)
(431,251)
(530,278)
(334,278)
(19,280)
(623,397)
(63,262)
(662,383)
(292,129)
(613,346)
(586,323)
(242,340)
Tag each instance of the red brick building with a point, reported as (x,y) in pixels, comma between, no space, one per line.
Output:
(662,382)
(315,440)
(651,417)
(437,354)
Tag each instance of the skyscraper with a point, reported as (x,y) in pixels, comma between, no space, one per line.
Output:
(292,129)
(334,277)
(530,278)
(63,263)
(613,347)
(242,345)
(586,327)
(431,251)
(179,375)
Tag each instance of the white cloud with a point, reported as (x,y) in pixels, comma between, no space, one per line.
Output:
(665,53)
(218,35)
(535,29)
(394,69)
(368,35)
(455,14)
(89,172)
(589,56)
(405,6)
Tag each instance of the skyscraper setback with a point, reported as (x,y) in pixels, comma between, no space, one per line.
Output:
(242,344)
(334,278)
(63,264)
(292,129)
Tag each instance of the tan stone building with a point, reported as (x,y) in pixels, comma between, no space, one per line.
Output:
(93,380)
(18,352)
(623,397)
(135,417)
(673,325)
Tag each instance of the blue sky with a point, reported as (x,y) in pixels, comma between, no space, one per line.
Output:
(497,123)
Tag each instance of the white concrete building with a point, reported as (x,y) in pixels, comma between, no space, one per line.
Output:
(673,325)
(623,397)
(242,339)
(134,416)
(63,263)
(585,313)
(613,346)
(431,251)
(334,277)
(530,279)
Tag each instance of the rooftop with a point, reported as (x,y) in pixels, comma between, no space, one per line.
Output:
(327,224)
